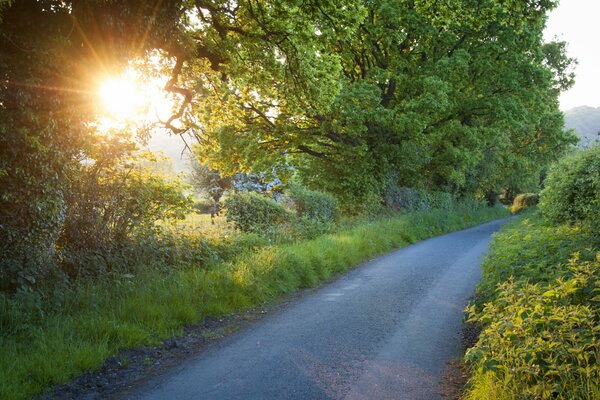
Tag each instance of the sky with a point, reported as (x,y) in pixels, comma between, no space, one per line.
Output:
(576,22)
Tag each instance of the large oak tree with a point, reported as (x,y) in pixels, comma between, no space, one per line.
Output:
(459,96)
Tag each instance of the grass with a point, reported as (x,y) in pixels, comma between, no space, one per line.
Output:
(202,223)
(80,327)
(539,309)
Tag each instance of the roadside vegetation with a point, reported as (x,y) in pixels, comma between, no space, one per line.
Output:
(539,300)
(524,201)
(53,334)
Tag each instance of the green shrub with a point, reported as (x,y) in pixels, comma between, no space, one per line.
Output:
(541,341)
(572,190)
(313,204)
(110,203)
(538,306)
(524,200)
(369,203)
(251,212)
(469,202)
(112,198)
(438,200)
(409,199)
(528,249)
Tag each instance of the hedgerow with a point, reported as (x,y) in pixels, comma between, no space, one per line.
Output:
(539,299)
(251,212)
(572,192)
(538,306)
(313,204)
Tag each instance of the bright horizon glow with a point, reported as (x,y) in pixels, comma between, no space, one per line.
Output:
(575,22)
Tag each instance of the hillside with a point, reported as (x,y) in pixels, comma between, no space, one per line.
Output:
(585,121)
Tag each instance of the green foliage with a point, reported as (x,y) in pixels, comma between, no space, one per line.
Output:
(439,200)
(572,192)
(528,249)
(112,199)
(404,198)
(542,341)
(269,85)
(51,54)
(209,182)
(413,199)
(251,212)
(305,228)
(538,300)
(312,204)
(523,201)
(446,97)
(538,306)
(470,202)
(36,145)
(77,328)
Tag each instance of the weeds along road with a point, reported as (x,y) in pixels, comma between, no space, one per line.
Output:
(383,331)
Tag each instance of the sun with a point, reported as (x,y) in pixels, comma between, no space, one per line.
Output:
(121,98)
(131,98)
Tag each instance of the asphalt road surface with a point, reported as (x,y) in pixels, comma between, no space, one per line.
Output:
(383,331)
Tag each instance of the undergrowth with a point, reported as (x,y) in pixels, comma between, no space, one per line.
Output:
(50,337)
(539,307)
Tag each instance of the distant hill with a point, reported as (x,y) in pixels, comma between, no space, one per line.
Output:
(586,123)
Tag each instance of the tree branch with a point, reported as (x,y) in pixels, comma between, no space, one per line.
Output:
(172,87)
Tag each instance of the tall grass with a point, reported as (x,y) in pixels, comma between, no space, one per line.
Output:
(90,322)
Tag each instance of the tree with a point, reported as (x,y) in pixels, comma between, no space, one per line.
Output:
(355,95)
(51,53)
(211,183)
(452,96)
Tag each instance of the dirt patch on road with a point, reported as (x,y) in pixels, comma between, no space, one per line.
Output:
(454,379)
(456,374)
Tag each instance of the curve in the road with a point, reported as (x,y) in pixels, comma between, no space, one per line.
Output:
(383,331)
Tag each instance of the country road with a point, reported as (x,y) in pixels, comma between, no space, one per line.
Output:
(383,331)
